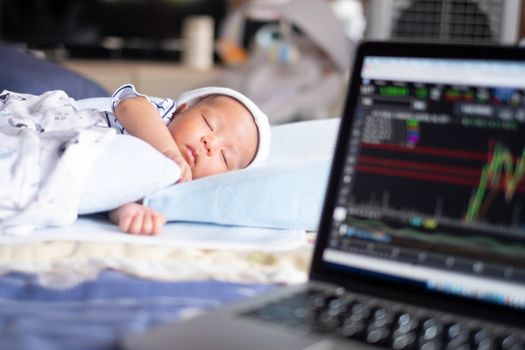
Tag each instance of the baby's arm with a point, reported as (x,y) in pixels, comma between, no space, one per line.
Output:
(140,118)
(137,219)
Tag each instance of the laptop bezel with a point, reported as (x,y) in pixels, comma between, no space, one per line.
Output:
(394,289)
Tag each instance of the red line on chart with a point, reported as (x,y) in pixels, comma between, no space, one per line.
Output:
(466,171)
(441,152)
(454,180)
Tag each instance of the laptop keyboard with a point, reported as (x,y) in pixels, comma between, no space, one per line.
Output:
(380,323)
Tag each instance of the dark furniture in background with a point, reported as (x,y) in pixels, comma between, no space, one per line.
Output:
(136,29)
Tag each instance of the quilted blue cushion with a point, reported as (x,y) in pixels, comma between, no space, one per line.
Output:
(22,72)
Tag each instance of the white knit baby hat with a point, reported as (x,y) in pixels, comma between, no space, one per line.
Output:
(261,120)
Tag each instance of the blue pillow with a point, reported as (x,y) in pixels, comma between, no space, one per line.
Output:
(286,192)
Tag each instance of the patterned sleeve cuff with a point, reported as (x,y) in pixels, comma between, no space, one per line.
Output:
(123,93)
(165,106)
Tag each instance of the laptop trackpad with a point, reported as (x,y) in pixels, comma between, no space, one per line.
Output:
(220,332)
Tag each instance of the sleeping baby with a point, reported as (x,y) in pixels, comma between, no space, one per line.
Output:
(47,144)
(206,131)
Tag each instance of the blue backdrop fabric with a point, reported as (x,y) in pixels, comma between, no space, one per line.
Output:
(95,314)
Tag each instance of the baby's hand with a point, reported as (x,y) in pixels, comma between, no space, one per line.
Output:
(185,170)
(137,219)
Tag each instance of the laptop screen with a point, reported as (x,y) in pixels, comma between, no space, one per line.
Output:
(433,186)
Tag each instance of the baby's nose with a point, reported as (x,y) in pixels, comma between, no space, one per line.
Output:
(209,144)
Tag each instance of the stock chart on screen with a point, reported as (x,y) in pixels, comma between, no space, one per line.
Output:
(435,175)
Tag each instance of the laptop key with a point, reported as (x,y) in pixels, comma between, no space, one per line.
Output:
(512,342)
(431,345)
(382,318)
(360,311)
(378,335)
(407,323)
(482,339)
(340,305)
(328,322)
(431,330)
(353,329)
(456,335)
(402,340)
(431,335)
(405,332)
(458,344)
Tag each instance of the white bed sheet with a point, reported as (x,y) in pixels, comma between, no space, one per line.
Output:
(192,235)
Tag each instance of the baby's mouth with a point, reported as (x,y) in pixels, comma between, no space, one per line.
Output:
(191,156)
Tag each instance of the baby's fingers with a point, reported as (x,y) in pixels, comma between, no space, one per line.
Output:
(147,224)
(137,220)
(152,223)
(125,223)
(158,221)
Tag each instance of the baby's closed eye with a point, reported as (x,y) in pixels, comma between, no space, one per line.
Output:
(225,159)
(206,121)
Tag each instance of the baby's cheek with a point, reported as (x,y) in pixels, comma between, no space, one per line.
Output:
(209,169)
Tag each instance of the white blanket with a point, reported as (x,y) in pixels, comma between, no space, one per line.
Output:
(47,147)
(65,256)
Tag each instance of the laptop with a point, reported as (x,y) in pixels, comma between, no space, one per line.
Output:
(421,242)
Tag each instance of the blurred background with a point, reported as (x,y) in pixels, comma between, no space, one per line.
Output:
(292,57)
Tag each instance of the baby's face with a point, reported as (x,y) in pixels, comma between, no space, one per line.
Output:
(216,135)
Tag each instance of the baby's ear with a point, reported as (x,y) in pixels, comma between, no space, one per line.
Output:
(181,109)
